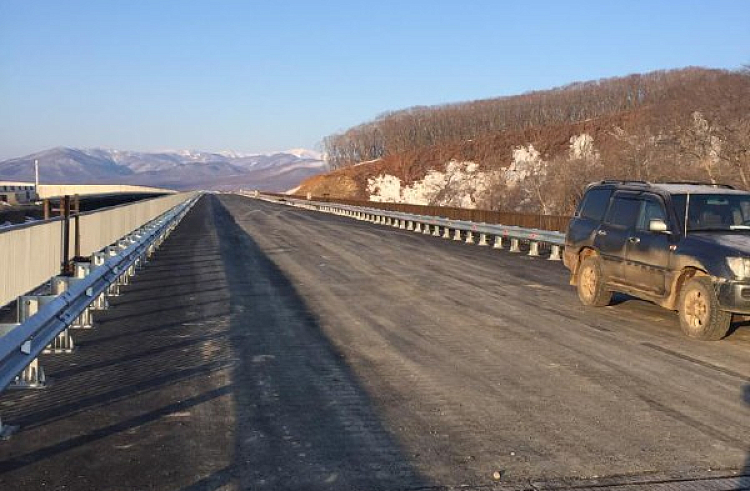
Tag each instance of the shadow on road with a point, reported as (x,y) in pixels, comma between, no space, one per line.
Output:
(119,427)
(304,422)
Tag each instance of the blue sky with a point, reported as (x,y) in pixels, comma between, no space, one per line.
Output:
(258,76)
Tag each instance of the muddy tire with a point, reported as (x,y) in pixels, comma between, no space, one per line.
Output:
(591,285)
(700,317)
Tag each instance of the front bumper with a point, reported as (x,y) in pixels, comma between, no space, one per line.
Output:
(734,296)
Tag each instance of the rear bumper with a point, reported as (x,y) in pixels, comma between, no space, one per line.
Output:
(734,296)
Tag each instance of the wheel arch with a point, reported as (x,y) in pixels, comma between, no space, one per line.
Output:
(582,254)
(678,283)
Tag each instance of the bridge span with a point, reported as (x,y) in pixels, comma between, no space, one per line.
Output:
(270,347)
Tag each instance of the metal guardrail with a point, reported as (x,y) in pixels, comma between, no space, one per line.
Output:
(557,223)
(536,239)
(31,253)
(23,343)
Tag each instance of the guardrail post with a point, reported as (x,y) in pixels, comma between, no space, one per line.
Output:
(426,229)
(84,269)
(533,248)
(470,237)
(498,242)
(29,305)
(62,283)
(446,233)
(555,253)
(402,224)
(418,227)
(482,239)
(410,226)
(515,245)
(457,235)
(98,259)
(436,231)
(32,377)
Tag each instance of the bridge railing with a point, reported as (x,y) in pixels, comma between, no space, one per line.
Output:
(534,241)
(44,321)
(527,220)
(31,253)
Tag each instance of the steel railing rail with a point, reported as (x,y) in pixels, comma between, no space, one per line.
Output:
(462,230)
(32,252)
(23,344)
(526,220)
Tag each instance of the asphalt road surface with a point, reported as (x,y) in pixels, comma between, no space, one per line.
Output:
(268,347)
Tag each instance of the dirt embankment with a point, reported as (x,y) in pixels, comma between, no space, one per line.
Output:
(490,152)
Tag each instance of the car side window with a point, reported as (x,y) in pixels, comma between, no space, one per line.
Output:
(651,210)
(623,212)
(595,204)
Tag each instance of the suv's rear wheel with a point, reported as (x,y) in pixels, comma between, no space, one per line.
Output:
(591,285)
(700,316)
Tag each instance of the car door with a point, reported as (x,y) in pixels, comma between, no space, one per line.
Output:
(648,253)
(612,235)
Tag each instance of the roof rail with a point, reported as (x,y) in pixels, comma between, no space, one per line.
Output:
(699,183)
(644,184)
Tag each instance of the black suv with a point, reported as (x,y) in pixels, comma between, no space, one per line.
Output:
(683,246)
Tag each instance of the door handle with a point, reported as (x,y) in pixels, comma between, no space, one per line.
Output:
(601,232)
(634,240)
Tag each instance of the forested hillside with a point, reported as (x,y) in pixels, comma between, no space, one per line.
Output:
(535,152)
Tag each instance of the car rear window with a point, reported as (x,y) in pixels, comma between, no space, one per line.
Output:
(595,204)
(623,212)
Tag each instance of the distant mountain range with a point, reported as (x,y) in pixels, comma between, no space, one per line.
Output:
(180,169)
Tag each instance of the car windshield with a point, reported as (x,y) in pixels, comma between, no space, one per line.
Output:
(714,212)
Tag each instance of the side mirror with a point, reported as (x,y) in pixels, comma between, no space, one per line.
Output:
(658,226)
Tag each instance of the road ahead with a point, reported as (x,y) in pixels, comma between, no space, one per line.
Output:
(268,347)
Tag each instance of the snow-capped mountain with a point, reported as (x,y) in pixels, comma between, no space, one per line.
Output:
(178,169)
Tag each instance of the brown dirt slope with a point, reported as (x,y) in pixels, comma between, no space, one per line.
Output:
(726,98)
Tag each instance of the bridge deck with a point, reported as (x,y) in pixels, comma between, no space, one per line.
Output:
(267,347)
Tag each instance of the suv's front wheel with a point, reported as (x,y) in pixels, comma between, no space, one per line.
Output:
(700,316)
(591,285)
